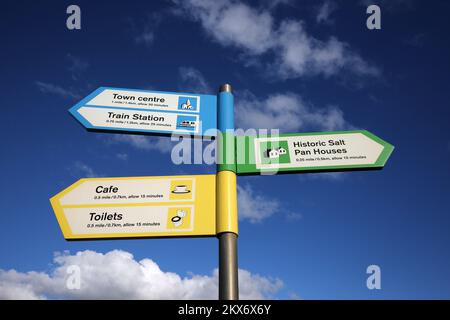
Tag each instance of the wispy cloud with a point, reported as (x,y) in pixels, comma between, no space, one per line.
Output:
(253,206)
(79,168)
(300,54)
(256,207)
(325,11)
(295,53)
(122,156)
(417,40)
(294,216)
(117,275)
(191,79)
(146,37)
(76,66)
(145,32)
(49,88)
(287,112)
(140,142)
(284,111)
(294,296)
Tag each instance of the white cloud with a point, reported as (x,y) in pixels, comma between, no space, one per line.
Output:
(147,143)
(325,10)
(287,112)
(233,23)
(417,40)
(294,52)
(293,216)
(145,30)
(299,54)
(294,296)
(122,156)
(193,80)
(49,88)
(255,207)
(80,168)
(76,66)
(117,275)
(146,37)
(284,111)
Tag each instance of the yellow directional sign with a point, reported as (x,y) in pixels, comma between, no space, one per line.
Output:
(135,207)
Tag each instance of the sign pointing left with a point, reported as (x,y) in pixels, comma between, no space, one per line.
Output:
(135,207)
(148,112)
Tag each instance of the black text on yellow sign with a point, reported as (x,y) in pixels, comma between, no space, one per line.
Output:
(137,207)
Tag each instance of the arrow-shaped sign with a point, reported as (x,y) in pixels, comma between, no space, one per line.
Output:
(318,151)
(148,112)
(170,206)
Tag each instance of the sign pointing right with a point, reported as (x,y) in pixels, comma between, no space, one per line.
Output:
(317,151)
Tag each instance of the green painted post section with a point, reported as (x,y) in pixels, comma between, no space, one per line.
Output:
(226,151)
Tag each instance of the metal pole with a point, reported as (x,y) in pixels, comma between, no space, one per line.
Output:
(228,267)
(226,196)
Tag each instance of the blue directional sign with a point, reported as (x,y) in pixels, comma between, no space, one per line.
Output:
(143,111)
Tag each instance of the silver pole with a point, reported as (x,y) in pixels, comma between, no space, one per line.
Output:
(228,267)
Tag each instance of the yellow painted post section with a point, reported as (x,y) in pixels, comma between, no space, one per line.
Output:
(226,197)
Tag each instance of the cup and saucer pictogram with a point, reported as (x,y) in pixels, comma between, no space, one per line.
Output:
(180,189)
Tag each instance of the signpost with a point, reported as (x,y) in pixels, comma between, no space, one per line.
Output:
(147,112)
(197,205)
(137,207)
(318,151)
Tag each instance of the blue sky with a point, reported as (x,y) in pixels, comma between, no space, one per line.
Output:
(297,66)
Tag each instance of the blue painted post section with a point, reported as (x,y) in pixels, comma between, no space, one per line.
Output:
(225,111)
(225,124)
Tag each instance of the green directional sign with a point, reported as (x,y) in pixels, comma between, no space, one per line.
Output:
(316,151)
